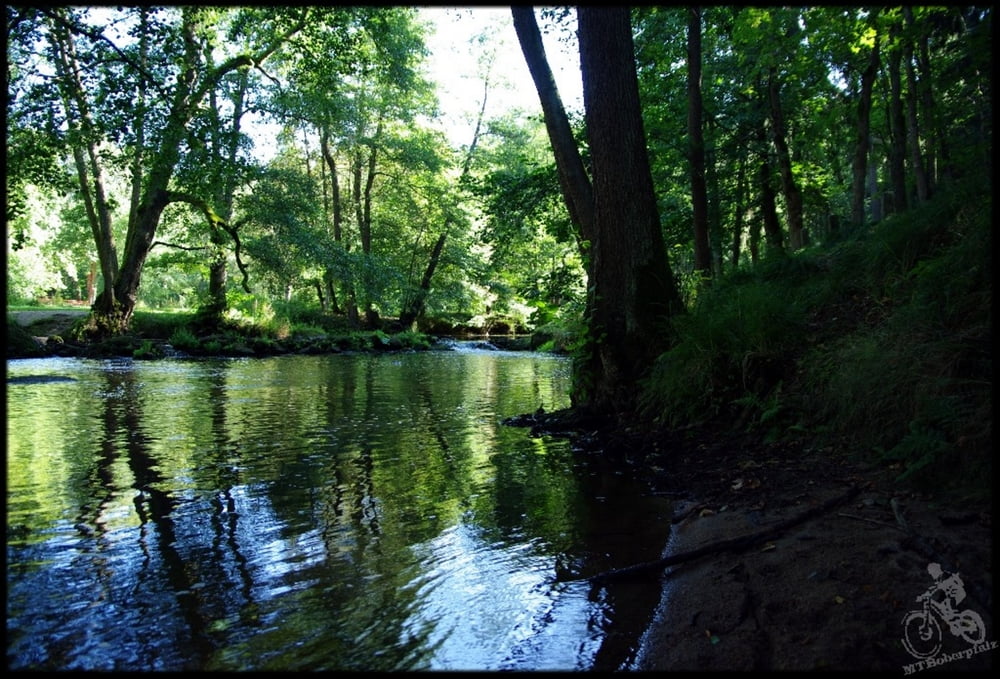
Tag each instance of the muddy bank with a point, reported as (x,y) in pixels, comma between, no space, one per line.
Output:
(829,593)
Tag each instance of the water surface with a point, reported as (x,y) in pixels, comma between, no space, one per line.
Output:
(333,512)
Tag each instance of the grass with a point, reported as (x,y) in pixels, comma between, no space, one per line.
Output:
(880,342)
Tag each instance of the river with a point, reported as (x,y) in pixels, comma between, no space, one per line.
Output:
(341,512)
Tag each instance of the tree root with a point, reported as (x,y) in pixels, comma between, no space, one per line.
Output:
(729,545)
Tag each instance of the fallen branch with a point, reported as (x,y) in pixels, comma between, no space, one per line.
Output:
(872,521)
(730,545)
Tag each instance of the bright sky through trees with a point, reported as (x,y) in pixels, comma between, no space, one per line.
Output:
(456,51)
(463,37)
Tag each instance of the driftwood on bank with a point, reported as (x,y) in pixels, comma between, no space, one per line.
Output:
(730,545)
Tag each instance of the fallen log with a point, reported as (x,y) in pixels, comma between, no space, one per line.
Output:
(730,545)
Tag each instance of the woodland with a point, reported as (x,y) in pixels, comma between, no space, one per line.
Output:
(774,218)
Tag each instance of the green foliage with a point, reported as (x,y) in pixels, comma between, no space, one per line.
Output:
(913,382)
(880,342)
(158,323)
(183,339)
(733,342)
(147,350)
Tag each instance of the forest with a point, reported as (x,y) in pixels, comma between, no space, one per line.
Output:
(776,217)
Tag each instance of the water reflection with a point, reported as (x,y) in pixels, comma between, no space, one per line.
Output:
(339,512)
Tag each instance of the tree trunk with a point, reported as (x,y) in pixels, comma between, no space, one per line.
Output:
(920,168)
(87,158)
(769,211)
(739,210)
(753,239)
(225,149)
(875,204)
(92,283)
(576,188)
(696,147)
(897,124)
(338,214)
(113,310)
(415,307)
(862,138)
(632,294)
(364,169)
(789,187)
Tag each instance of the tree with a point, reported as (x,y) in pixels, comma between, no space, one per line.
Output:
(632,291)
(863,134)
(132,102)
(573,178)
(696,143)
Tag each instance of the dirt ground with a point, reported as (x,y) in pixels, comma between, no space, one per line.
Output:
(828,593)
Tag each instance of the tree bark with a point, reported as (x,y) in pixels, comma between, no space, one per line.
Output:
(632,292)
(739,210)
(113,312)
(329,274)
(897,123)
(415,306)
(86,154)
(920,167)
(773,235)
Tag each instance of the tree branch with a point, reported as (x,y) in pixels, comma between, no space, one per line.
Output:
(178,247)
(215,221)
(57,16)
(732,544)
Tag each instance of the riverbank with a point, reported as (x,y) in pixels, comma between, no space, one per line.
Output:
(836,557)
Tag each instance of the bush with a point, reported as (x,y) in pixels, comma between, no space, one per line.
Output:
(183,339)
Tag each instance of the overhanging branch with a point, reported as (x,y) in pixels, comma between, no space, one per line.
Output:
(215,221)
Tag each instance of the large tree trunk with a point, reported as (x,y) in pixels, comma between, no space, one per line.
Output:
(769,211)
(113,310)
(897,123)
(696,147)
(576,187)
(632,293)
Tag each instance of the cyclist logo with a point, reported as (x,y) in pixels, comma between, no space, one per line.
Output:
(922,636)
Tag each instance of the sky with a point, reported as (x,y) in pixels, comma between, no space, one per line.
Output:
(453,64)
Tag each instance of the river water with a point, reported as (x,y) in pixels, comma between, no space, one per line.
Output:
(337,512)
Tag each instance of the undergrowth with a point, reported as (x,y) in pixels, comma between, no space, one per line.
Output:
(881,342)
